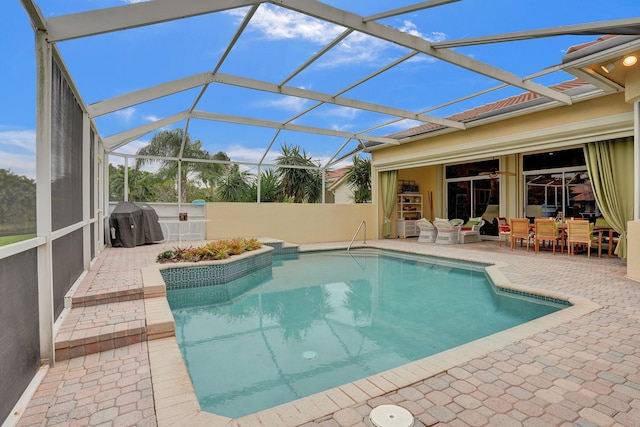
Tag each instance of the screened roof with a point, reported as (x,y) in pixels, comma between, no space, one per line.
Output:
(244,77)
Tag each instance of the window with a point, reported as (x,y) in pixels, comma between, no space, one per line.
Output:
(558,182)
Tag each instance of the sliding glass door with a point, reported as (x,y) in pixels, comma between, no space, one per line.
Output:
(472,190)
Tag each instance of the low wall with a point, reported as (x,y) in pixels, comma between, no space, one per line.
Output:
(291,222)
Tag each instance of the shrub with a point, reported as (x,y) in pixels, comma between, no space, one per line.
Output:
(219,249)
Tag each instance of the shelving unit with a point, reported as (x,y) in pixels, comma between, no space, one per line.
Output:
(408,211)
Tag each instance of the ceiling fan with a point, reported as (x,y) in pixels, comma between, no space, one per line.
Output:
(494,173)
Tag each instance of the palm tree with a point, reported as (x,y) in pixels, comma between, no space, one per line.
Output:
(359,179)
(299,184)
(270,190)
(235,185)
(212,173)
(168,144)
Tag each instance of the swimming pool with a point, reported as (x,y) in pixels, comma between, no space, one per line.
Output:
(328,318)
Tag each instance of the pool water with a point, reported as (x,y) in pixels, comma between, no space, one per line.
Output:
(325,319)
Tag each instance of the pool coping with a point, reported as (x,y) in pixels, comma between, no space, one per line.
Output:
(177,403)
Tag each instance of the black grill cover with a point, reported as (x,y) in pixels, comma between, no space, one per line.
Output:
(134,224)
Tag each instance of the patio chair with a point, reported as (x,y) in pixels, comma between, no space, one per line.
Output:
(448,231)
(545,231)
(470,231)
(428,232)
(520,230)
(609,236)
(579,233)
(504,230)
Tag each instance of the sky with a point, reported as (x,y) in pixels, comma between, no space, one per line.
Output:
(275,44)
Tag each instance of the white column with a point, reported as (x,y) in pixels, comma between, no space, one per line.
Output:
(126,178)
(43,196)
(636,160)
(86,191)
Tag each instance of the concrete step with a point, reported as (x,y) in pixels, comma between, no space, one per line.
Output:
(88,300)
(92,329)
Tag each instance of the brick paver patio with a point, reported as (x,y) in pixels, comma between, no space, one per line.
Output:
(580,372)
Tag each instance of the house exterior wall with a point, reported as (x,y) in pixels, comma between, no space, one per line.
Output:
(291,222)
(606,117)
(342,194)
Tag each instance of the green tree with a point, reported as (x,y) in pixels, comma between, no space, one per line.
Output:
(168,144)
(298,183)
(144,186)
(235,185)
(359,179)
(17,204)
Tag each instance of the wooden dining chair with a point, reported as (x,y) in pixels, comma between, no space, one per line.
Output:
(579,233)
(607,235)
(545,230)
(519,230)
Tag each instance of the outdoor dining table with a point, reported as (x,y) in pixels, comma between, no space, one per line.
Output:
(600,230)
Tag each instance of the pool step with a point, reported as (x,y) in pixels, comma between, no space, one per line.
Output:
(280,247)
(95,328)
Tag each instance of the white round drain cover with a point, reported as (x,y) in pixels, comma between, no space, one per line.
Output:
(309,355)
(391,416)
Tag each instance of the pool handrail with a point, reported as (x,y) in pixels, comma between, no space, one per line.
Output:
(364,241)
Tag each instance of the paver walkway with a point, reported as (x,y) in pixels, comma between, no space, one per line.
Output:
(583,372)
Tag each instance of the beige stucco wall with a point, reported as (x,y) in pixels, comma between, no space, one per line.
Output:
(632,87)
(291,222)
(427,179)
(633,250)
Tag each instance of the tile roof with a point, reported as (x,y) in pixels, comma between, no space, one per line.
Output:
(492,109)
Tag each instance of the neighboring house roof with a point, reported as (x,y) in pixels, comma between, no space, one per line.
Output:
(336,177)
(513,103)
(577,47)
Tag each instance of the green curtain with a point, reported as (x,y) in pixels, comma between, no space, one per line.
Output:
(610,166)
(389,186)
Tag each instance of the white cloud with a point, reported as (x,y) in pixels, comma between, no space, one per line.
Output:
(401,125)
(288,103)
(125,114)
(282,24)
(19,140)
(411,28)
(132,147)
(19,164)
(357,48)
(241,153)
(151,118)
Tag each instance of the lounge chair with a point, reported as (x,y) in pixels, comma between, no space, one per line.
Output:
(470,231)
(448,231)
(428,232)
